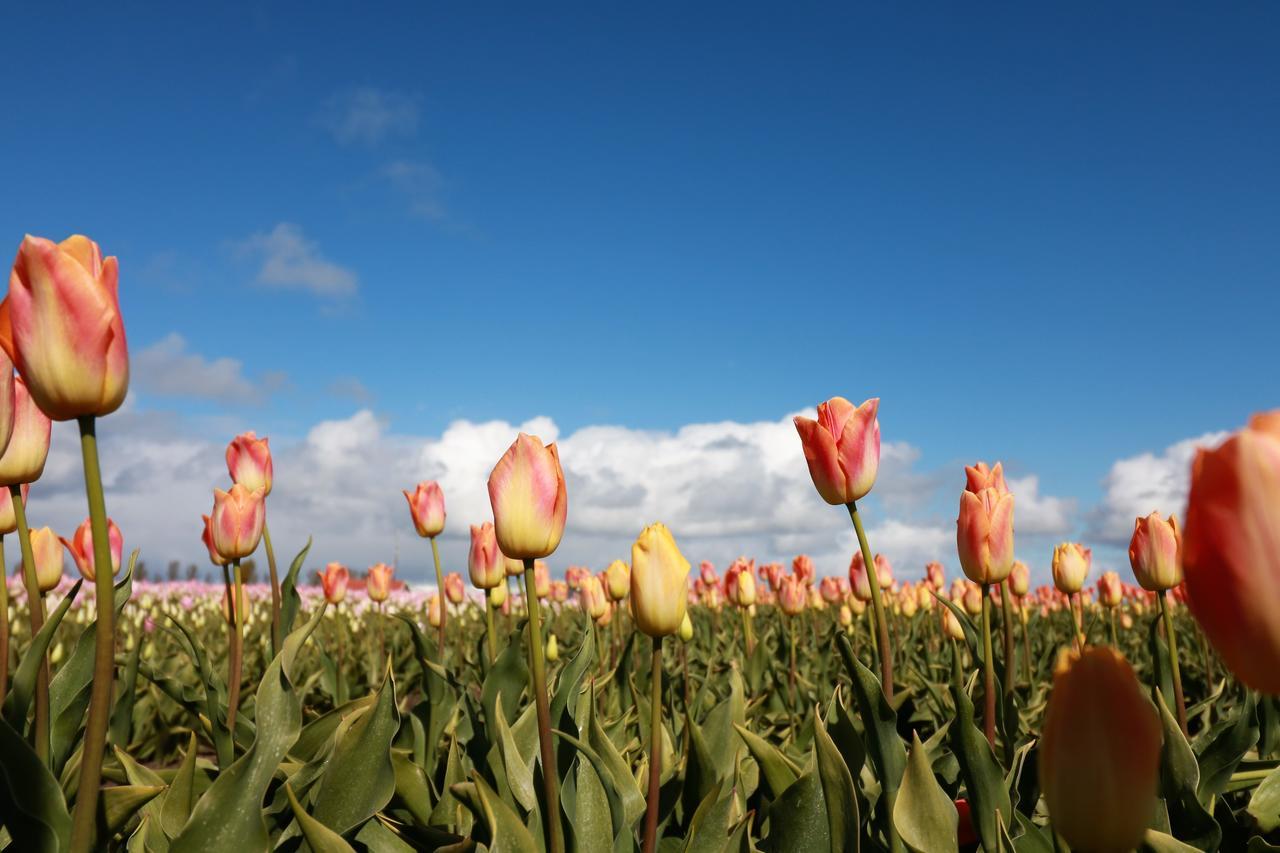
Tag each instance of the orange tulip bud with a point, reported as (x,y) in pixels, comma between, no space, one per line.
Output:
(541,579)
(1154,552)
(1019,579)
(426,505)
(984,535)
(591,595)
(433,611)
(981,477)
(1099,752)
(454,590)
(1110,593)
(1071,566)
(529,500)
(952,625)
(7,401)
(81,547)
(618,580)
(842,448)
(206,536)
(378,582)
(802,568)
(792,596)
(485,562)
(936,575)
(1231,550)
(236,522)
(249,462)
(48,554)
(334,580)
(61,326)
(659,578)
(24,457)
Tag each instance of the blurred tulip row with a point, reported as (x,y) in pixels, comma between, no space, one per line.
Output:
(636,706)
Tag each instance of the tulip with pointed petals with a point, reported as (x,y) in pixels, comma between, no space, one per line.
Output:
(485,563)
(984,535)
(378,582)
(24,456)
(236,522)
(334,580)
(81,547)
(527,491)
(981,477)
(1155,552)
(617,580)
(249,462)
(842,448)
(1071,566)
(426,506)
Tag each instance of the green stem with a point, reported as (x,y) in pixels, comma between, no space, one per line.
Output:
(748,635)
(104,648)
(550,782)
(1111,625)
(988,670)
(791,672)
(488,612)
(877,606)
(1026,642)
(237,652)
(35,608)
(275,590)
(444,602)
(4,623)
(655,750)
(1010,665)
(1172,637)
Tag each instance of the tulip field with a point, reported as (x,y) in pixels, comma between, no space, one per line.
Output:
(653,704)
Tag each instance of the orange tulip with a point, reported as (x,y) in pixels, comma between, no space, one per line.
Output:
(984,535)
(1071,566)
(936,575)
(541,579)
(236,522)
(1231,550)
(981,477)
(591,595)
(791,597)
(378,583)
(1154,552)
(454,590)
(529,500)
(8,518)
(1019,579)
(7,401)
(842,448)
(334,580)
(802,568)
(426,505)
(206,536)
(81,547)
(48,554)
(433,611)
(24,457)
(249,462)
(61,326)
(485,562)
(1099,752)
(1110,593)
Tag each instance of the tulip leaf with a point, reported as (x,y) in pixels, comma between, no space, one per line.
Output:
(780,773)
(1220,757)
(709,826)
(1264,803)
(319,837)
(570,681)
(23,686)
(924,815)
(290,600)
(506,833)
(838,791)
(1159,842)
(988,796)
(180,798)
(1179,781)
(32,808)
(508,676)
(798,818)
(972,638)
(614,770)
(122,713)
(701,773)
(412,788)
(117,804)
(519,773)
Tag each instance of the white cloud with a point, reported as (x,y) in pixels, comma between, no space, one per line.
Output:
(420,184)
(1139,485)
(168,369)
(1037,514)
(365,115)
(292,262)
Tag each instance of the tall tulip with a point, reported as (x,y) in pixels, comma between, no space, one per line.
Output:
(48,553)
(454,590)
(236,522)
(1231,550)
(81,547)
(426,507)
(334,580)
(1155,554)
(1070,569)
(842,448)
(249,464)
(618,578)
(485,564)
(592,597)
(1099,752)
(8,524)
(378,582)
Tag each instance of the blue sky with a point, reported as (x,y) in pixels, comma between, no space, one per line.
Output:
(1041,235)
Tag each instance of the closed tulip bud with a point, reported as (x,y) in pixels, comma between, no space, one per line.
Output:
(857,605)
(236,522)
(485,563)
(206,536)
(1110,593)
(249,462)
(242,600)
(48,554)
(952,625)
(686,628)
(842,448)
(1019,579)
(936,575)
(334,580)
(1070,566)
(1154,552)
(924,597)
(618,578)
(62,328)
(8,518)
(514,567)
(498,596)
(454,590)
(24,457)
(802,568)
(984,535)
(529,500)
(792,596)
(378,582)
(972,600)
(979,477)
(1099,752)
(1231,550)
(591,595)
(742,587)
(659,576)
(708,573)
(559,592)
(426,506)
(81,547)
(859,581)
(541,579)
(829,589)
(846,616)
(433,611)
(553,649)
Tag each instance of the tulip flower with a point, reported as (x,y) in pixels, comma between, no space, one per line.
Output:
(541,579)
(81,547)
(8,517)
(829,589)
(434,611)
(845,616)
(1019,579)
(984,535)
(659,574)
(842,448)
(708,573)
(529,500)
(48,555)
(802,568)
(206,536)
(24,456)
(497,598)
(236,522)
(1231,550)
(378,582)
(618,580)
(249,462)
(591,595)
(1110,592)
(454,589)
(936,575)
(62,328)
(485,563)
(1154,552)
(1099,752)
(334,580)
(7,401)
(979,477)
(1070,566)
(553,648)
(514,568)
(244,605)
(426,506)
(952,625)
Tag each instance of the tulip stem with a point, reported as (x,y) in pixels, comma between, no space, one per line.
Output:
(1172,637)
(1026,642)
(104,645)
(488,611)
(236,609)
(877,606)
(1010,664)
(35,608)
(4,623)
(444,607)
(791,672)
(748,635)
(549,769)
(988,670)
(1111,627)
(275,589)
(655,750)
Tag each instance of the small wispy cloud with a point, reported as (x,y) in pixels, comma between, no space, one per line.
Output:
(292,262)
(168,369)
(367,116)
(420,183)
(350,388)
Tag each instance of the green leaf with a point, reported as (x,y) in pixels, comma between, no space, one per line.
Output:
(180,799)
(798,818)
(519,771)
(117,804)
(412,788)
(617,812)
(779,772)
(837,789)
(925,816)
(290,600)
(709,826)
(1179,780)
(506,833)
(507,678)
(321,838)
(1219,758)
(23,686)
(31,803)
(988,796)
(122,713)
(1158,842)
(615,769)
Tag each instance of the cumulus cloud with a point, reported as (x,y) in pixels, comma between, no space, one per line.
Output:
(1037,514)
(289,261)
(168,369)
(367,116)
(1140,484)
